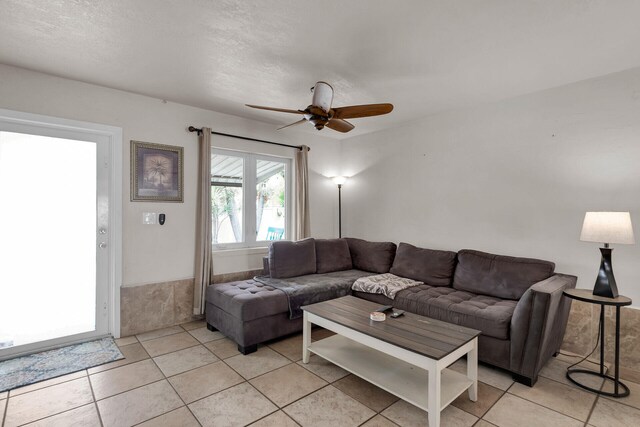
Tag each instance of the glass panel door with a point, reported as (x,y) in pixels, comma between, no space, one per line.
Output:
(52,288)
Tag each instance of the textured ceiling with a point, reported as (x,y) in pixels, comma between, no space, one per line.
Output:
(423,56)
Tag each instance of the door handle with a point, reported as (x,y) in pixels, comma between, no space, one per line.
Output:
(102,245)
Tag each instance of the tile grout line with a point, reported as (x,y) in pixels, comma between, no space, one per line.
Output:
(375,414)
(95,402)
(386,418)
(173,351)
(139,387)
(272,402)
(188,370)
(56,413)
(358,400)
(494,404)
(595,402)
(593,408)
(546,407)
(226,388)
(51,385)
(301,397)
(6,407)
(177,394)
(574,387)
(289,404)
(152,382)
(162,336)
(131,389)
(275,404)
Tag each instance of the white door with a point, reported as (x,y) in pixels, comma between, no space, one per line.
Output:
(56,261)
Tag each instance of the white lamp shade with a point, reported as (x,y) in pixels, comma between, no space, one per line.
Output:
(339,180)
(607,227)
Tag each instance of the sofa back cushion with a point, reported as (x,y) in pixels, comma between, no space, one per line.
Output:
(290,259)
(332,255)
(430,266)
(497,275)
(376,257)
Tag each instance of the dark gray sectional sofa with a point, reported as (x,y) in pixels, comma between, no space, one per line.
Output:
(516,303)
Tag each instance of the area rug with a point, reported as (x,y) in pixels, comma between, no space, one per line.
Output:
(49,364)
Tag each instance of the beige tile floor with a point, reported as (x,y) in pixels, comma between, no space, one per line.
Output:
(188,376)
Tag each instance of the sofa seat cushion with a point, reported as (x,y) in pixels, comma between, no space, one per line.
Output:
(490,315)
(332,255)
(248,299)
(498,275)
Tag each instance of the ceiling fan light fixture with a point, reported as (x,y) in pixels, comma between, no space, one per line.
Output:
(321,114)
(322,96)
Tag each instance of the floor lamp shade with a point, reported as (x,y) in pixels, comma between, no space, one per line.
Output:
(607,227)
(339,180)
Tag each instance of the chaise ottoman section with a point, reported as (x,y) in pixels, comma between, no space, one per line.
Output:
(249,312)
(247,299)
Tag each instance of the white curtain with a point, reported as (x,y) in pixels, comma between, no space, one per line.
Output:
(303,221)
(203,267)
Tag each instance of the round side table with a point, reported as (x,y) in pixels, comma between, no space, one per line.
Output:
(586,295)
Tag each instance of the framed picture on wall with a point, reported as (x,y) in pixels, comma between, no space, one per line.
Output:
(156,172)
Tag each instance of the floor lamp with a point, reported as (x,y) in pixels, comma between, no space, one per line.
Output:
(607,227)
(339,180)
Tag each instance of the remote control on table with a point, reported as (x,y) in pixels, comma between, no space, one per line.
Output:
(384,308)
(397,313)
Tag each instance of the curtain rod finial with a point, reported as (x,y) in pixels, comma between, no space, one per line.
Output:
(194,129)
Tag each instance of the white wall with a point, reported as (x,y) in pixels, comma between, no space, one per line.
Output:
(513,177)
(165,253)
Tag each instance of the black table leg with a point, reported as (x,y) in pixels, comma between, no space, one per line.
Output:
(617,384)
(601,339)
(617,362)
(619,388)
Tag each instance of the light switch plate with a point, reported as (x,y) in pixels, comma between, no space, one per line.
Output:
(149,218)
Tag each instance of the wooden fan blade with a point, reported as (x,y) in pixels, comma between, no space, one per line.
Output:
(293,124)
(357,111)
(281,110)
(339,125)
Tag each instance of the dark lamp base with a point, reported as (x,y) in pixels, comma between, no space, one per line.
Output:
(605,282)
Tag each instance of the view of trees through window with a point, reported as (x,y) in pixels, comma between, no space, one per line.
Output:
(226,212)
(229,181)
(270,199)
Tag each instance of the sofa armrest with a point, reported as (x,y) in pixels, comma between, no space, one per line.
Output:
(538,324)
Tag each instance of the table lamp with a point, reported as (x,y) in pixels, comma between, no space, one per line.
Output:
(607,227)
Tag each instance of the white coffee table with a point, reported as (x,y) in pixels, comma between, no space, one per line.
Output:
(407,356)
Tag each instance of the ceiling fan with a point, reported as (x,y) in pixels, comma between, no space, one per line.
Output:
(321,114)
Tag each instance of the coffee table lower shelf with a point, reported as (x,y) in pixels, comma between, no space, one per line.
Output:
(407,381)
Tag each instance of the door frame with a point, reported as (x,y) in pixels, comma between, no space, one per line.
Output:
(16,121)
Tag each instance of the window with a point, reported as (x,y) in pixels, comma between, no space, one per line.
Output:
(249,198)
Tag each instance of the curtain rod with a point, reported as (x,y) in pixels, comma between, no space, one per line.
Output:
(199,130)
